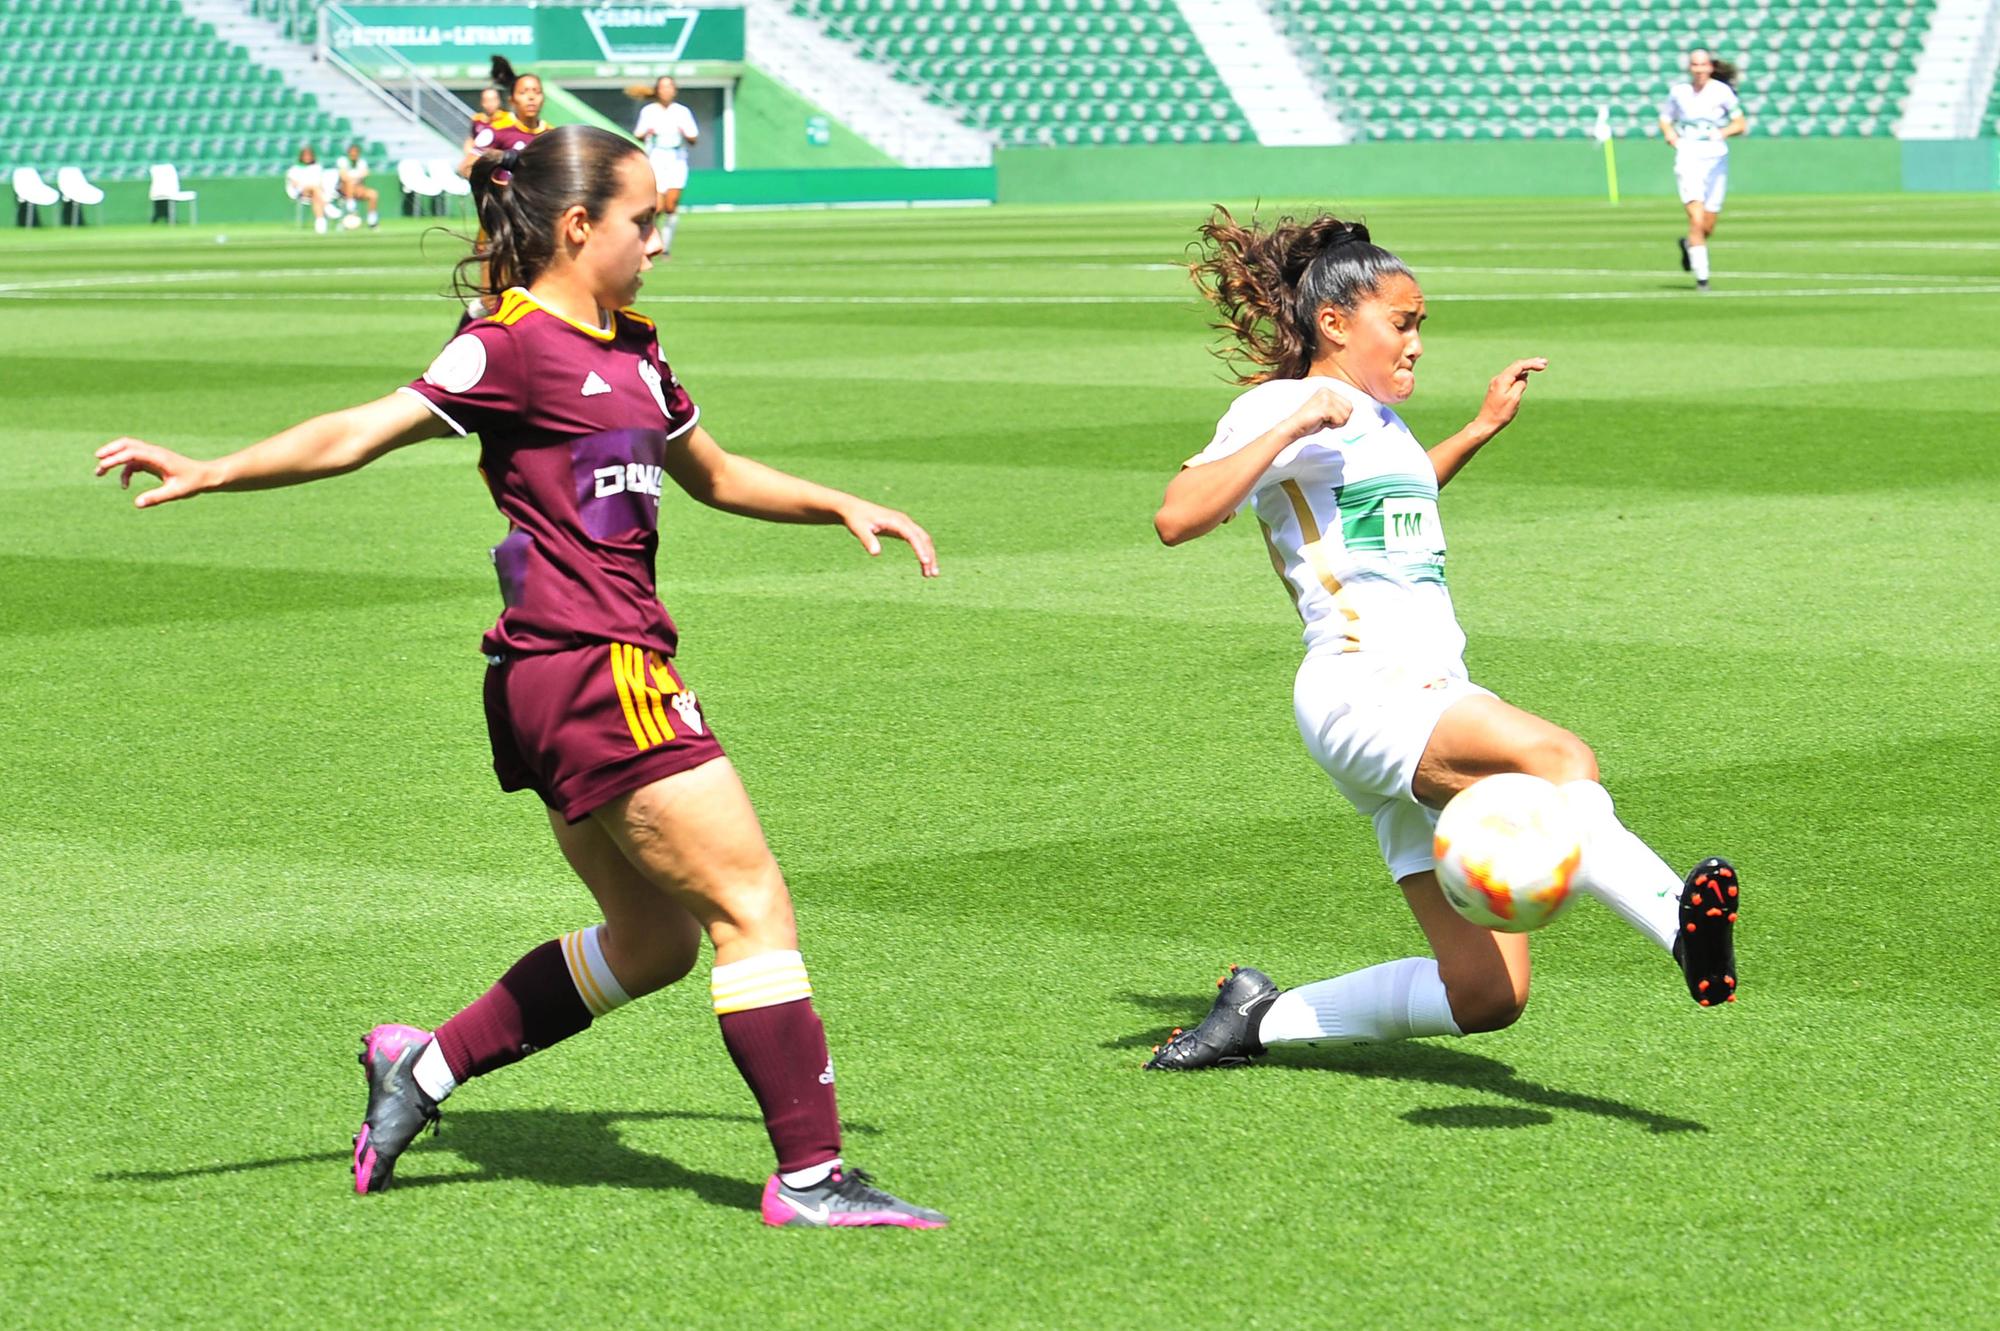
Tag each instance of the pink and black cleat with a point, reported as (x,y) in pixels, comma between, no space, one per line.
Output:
(398,1109)
(846,1197)
(1706,946)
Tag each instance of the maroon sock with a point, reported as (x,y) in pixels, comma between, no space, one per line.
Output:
(533,1006)
(781,1052)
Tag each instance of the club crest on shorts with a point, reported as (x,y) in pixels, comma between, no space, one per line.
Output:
(690,711)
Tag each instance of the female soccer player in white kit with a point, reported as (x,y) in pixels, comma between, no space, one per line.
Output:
(1347,499)
(668,130)
(1698,119)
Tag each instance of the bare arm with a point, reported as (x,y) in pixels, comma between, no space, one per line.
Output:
(328,445)
(740,485)
(1668,132)
(1201,498)
(1737,125)
(1503,399)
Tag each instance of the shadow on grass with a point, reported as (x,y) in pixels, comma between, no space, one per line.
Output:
(1437,1065)
(558,1147)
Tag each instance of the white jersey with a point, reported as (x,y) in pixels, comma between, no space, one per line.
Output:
(1351,519)
(673,128)
(1700,117)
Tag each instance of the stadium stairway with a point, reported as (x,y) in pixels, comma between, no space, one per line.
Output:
(1263,73)
(267,42)
(1954,74)
(861,94)
(1436,69)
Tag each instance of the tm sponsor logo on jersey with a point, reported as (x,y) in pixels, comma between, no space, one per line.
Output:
(632,478)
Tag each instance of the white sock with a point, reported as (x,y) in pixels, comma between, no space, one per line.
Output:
(319,225)
(667,230)
(1621,870)
(583,952)
(433,1074)
(1698,259)
(811,1174)
(373,217)
(1393,1001)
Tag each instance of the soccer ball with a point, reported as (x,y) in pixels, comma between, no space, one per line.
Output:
(1507,850)
(351,222)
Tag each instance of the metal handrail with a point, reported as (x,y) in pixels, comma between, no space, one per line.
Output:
(409,92)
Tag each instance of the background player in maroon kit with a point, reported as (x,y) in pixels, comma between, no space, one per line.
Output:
(580,422)
(504,131)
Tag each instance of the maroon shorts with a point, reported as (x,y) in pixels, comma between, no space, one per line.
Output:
(584,726)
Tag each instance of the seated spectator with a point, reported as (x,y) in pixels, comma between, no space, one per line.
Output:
(354,184)
(306,181)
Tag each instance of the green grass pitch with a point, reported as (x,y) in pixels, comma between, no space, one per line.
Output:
(1744,544)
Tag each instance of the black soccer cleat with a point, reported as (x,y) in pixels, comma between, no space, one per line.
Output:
(1701,285)
(398,1109)
(1706,945)
(843,1199)
(1687,264)
(1227,1036)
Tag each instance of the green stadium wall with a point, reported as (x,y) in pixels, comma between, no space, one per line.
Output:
(772,131)
(1566,168)
(1470,169)
(240,199)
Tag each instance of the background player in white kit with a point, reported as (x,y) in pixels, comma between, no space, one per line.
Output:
(1698,118)
(668,130)
(1347,499)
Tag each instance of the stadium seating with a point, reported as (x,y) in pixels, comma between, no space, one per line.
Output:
(112,86)
(1408,69)
(1048,71)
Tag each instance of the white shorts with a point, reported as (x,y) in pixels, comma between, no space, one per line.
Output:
(1367,724)
(670,171)
(1703,180)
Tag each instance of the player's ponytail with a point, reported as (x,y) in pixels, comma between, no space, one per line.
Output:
(521,193)
(1270,285)
(1725,70)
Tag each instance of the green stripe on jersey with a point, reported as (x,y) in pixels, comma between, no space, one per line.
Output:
(1360,506)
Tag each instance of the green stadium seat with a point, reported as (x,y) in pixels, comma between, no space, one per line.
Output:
(58,58)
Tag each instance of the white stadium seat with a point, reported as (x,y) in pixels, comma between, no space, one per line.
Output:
(417,184)
(167,194)
(77,193)
(31,195)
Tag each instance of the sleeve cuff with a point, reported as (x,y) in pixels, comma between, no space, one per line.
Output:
(436,410)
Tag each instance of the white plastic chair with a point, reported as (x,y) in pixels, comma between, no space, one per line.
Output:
(444,171)
(417,184)
(31,195)
(167,194)
(77,194)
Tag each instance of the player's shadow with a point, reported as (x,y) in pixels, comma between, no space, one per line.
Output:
(1437,1065)
(557,1147)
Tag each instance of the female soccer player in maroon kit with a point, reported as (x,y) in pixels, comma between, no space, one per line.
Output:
(580,420)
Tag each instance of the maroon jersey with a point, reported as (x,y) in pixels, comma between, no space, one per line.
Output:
(504,132)
(573,424)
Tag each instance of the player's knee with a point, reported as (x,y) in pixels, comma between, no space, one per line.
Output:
(650,956)
(758,904)
(1492,1003)
(1562,757)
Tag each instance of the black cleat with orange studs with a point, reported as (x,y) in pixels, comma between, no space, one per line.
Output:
(1227,1036)
(1706,948)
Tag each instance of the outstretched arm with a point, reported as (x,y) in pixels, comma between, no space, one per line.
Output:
(1503,399)
(740,485)
(1202,497)
(326,445)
